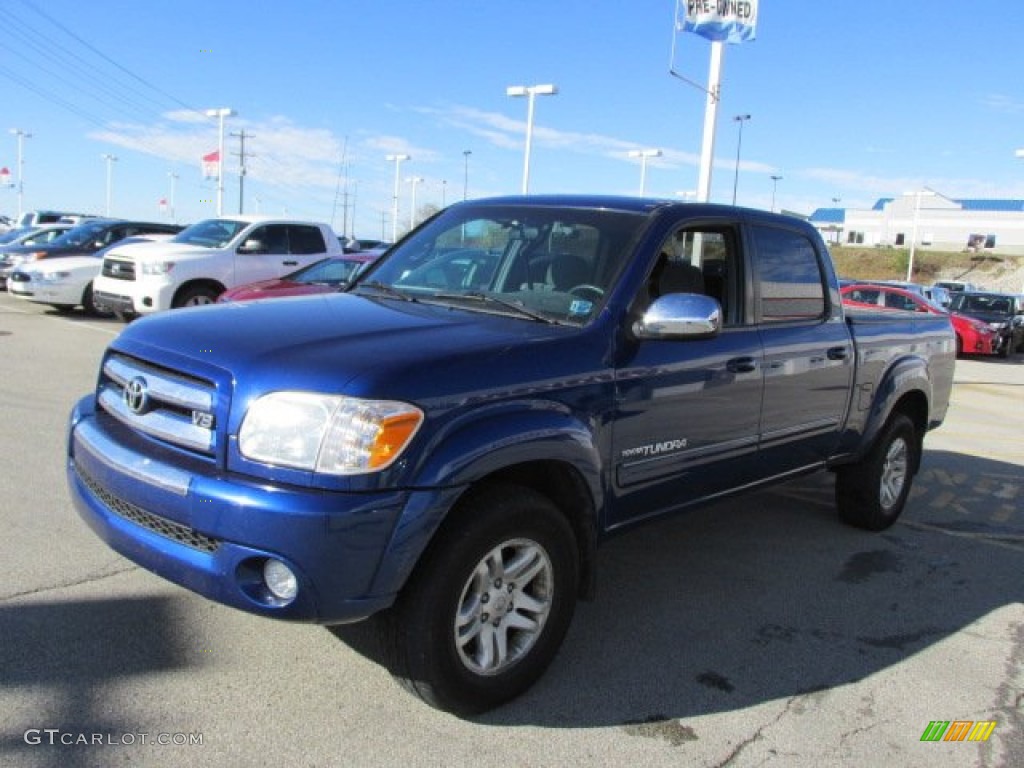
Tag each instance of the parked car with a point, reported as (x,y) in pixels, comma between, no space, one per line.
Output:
(955,286)
(66,283)
(199,264)
(82,240)
(40,217)
(972,336)
(1003,312)
(322,277)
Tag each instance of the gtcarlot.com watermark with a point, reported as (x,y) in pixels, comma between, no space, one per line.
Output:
(58,737)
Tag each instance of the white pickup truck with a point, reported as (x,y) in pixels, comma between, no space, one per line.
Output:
(206,259)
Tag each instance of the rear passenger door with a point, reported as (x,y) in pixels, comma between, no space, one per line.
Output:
(809,355)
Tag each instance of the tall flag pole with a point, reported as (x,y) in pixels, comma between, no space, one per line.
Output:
(720,21)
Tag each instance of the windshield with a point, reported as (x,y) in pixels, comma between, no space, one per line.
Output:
(329,272)
(210,233)
(978,303)
(543,263)
(82,235)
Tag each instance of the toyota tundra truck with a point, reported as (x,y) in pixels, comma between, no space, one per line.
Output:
(206,259)
(442,448)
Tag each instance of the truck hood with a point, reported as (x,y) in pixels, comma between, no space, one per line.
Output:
(338,343)
(157,249)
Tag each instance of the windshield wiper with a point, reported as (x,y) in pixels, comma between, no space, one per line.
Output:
(387,290)
(487,298)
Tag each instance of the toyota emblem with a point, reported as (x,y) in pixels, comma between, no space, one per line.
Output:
(135,395)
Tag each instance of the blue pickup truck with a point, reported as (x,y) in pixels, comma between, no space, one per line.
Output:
(444,445)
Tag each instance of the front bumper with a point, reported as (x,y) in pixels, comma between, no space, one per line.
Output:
(212,532)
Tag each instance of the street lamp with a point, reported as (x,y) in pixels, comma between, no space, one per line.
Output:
(413,180)
(174,178)
(775,185)
(111,159)
(220,113)
(529,91)
(397,160)
(643,154)
(465,173)
(22,135)
(741,119)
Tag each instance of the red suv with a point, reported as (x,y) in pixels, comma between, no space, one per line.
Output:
(972,336)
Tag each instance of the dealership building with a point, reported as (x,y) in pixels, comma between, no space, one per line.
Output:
(940,223)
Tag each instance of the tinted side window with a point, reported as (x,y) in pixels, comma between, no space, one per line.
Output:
(789,275)
(306,240)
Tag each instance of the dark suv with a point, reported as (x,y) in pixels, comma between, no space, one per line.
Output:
(1004,313)
(83,240)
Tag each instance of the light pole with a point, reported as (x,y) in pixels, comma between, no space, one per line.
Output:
(465,172)
(174,178)
(530,92)
(413,180)
(111,159)
(397,160)
(741,119)
(643,154)
(220,113)
(21,135)
(775,185)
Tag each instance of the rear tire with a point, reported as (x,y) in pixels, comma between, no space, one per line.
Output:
(486,609)
(871,494)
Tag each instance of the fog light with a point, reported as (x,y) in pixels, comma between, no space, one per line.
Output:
(280,580)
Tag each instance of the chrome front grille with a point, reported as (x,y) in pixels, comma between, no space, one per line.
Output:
(155,523)
(119,270)
(171,407)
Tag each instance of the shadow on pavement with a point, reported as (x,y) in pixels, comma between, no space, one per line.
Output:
(767,597)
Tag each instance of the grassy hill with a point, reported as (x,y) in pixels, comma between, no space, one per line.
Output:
(998,272)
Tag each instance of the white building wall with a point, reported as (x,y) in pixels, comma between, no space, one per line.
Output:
(941,225)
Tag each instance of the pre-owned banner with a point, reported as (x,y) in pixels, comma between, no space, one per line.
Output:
(730,21)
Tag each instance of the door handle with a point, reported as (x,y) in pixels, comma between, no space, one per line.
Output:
(290,263)
(837,353)
(741,365)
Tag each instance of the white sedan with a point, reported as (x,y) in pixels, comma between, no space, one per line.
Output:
(66,282)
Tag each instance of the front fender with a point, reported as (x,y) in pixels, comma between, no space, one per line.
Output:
(486,442)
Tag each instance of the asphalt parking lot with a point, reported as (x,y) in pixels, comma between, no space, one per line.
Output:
(758,632)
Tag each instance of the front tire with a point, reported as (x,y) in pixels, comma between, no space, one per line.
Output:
(871,494)
(485,611)
(90,306)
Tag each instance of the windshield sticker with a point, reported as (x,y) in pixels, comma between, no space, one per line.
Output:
(580,307)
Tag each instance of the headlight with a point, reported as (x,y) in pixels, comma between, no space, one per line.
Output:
(327,433)
(997,326)
(50,277)
(157,267)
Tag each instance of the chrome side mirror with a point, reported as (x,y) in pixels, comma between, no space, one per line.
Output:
(680,316)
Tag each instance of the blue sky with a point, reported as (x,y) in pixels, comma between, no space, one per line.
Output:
(850,100)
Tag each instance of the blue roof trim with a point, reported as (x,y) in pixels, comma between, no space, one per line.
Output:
(829,216)
(1009,206)
(881,202)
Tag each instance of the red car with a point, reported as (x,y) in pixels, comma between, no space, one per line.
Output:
(322,277)
(972,336)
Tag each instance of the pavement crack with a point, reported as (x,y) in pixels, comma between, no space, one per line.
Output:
(756,736)
(64,585)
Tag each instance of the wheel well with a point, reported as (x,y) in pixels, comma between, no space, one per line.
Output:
(565,486)
(914,405)
(184,288)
